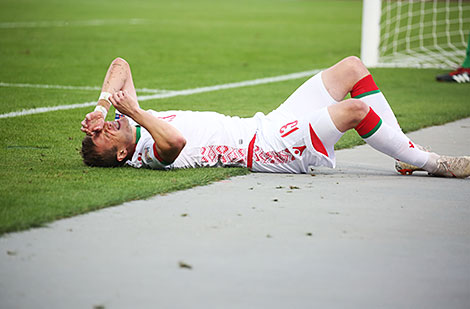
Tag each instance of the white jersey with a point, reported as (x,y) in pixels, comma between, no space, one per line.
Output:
(212,139)
(290,139)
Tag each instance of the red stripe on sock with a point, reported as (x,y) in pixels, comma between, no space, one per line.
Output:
(369,122)
(316,142)
(366,84)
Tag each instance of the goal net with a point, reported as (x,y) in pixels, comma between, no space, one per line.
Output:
(415,33)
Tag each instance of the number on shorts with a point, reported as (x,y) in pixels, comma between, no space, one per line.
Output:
(289,128)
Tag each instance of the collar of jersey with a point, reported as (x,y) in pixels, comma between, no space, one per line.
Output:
(137,134)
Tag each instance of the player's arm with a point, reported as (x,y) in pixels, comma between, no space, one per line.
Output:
(168,140)
(94,121)
(118,77)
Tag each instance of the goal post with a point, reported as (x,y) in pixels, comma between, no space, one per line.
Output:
(415,33)
(371,11)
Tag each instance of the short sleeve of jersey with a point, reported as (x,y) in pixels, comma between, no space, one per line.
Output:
(145,154)
(150,157)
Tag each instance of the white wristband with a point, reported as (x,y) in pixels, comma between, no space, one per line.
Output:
(102,109)
(105,96)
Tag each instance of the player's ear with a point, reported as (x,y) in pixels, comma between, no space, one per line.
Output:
(121,154)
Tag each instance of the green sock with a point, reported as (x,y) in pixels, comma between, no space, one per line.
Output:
(466,62)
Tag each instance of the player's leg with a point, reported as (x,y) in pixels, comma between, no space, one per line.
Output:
(466,62)
(332,85)
(326,88)
(462,74)
(351,76)
(356,114)
(340,79)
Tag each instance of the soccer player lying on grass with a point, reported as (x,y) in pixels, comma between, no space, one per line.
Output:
(300,133)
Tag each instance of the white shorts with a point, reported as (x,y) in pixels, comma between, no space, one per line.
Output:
(298,134)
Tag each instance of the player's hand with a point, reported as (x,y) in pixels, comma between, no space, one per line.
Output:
(93,122)
(124,103)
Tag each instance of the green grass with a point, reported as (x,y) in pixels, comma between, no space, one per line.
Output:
(180,45)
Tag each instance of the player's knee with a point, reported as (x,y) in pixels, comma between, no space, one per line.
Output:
(355,67)
(357,110)
(353,61)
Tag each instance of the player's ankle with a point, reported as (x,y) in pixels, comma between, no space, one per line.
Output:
(431,165)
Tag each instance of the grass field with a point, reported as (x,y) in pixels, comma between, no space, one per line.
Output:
(171,45)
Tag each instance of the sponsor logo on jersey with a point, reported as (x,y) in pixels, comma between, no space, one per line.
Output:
(147,156)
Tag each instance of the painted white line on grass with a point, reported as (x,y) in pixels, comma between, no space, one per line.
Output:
(170,94)
(64,23)
(43,86)
(65,87)
(147,90)
(40,110)
(252,82)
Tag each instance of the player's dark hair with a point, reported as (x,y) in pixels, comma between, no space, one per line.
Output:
(92,157)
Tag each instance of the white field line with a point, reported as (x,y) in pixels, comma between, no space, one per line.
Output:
(252,82)
(64,23)
(170,94)
(64,87)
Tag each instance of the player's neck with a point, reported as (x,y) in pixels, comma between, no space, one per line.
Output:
(135,139)
(134,135)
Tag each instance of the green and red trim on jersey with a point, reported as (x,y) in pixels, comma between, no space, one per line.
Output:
(369,125)
(155,153)
(366,86)
(137,134)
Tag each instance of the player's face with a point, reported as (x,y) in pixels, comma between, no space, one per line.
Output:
(114,133)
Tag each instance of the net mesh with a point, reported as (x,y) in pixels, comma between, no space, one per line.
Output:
(424,33)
